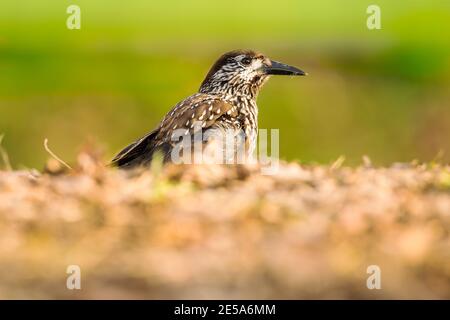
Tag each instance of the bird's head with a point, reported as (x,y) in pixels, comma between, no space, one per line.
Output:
(243,72)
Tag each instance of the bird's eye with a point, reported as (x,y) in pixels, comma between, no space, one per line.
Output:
(246,61)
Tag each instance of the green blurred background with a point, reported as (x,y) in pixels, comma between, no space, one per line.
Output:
(382,93)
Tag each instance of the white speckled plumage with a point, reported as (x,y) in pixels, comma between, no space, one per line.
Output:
(226,100)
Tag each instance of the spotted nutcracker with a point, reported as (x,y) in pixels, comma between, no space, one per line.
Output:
(226,101)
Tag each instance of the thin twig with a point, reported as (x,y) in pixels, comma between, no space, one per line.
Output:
(366,161)
(4,155)
(338,163)
(54,155)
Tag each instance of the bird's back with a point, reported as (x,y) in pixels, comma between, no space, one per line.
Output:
(200,112)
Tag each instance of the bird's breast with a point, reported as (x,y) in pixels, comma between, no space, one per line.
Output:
(247,119)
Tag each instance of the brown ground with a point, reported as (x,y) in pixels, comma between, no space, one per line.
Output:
(226,232)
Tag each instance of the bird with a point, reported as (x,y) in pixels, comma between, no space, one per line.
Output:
(225,101)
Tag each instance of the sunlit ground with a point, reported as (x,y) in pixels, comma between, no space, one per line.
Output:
(226,232)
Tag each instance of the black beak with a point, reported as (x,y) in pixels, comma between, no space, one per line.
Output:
(283,69)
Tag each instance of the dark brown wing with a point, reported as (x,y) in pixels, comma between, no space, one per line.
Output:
(202,109)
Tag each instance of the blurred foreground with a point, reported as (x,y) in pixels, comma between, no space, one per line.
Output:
(218,232)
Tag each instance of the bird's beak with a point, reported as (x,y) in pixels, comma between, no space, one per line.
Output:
(283,69)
